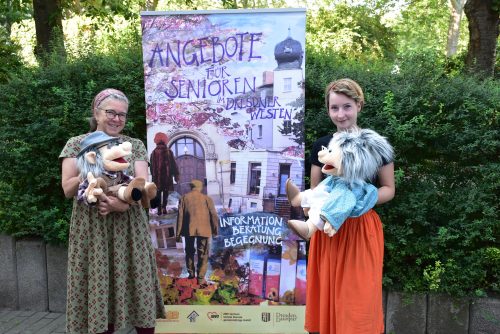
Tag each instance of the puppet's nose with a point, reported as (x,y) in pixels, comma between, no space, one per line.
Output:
(126,146)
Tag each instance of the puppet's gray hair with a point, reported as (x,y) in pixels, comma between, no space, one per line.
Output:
(363,153)
(85,167)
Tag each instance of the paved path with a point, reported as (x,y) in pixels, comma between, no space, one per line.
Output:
(33,322)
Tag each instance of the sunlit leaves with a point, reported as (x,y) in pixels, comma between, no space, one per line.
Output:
(350,31)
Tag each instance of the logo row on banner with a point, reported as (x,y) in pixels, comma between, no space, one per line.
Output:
(225,319)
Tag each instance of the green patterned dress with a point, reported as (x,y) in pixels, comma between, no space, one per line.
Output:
(112,275)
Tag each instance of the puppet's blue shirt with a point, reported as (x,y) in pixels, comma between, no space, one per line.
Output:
(346,200)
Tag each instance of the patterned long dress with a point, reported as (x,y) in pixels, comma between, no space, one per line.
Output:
(112,275)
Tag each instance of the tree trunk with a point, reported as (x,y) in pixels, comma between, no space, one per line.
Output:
(457,9)
(48,26)
(483,34)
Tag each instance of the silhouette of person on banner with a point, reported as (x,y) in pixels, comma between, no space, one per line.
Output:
(163,171)
(197,221)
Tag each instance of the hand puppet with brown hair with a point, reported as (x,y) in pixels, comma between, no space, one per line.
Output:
(102,165)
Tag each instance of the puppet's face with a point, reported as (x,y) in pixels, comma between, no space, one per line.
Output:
(114,154)
(355,156)
(331,157)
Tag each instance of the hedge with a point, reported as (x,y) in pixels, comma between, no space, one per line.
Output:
(441,229)
(40,108)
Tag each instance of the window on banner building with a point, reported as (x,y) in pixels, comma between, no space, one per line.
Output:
(283,176)
(187,146)
(287,84)
(250,133)
(287,127)
(254,178)
(232,176)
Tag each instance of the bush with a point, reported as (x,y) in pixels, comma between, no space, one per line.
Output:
(40,109)
(9,55)
(442,228)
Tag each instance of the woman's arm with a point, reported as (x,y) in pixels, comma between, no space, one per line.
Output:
(387,187)
(316,176)
(70,177)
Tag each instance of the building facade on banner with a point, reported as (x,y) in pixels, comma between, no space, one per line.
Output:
(279,96)
(227,98)
(239,179)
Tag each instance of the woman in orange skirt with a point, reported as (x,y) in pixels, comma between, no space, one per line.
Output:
(344,274)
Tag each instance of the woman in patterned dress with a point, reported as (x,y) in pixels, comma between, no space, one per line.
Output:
(112,278)
(344,273)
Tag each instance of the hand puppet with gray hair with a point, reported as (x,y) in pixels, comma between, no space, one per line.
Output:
(102,165)
(351,160)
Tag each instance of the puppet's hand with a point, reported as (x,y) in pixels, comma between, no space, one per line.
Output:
(328,229)
(93,190)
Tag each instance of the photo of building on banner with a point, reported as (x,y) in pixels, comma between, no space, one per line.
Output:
(225,108)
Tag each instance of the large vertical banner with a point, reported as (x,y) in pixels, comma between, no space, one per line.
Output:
(225,106)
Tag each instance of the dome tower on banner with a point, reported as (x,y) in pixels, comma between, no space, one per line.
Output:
(266,165)
(281,88)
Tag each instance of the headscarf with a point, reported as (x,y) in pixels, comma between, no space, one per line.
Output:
(99,98)
(104,94)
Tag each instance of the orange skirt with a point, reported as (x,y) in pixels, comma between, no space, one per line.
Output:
(344,279)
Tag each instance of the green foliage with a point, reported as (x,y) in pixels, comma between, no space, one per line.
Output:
(350,31)
(432,275)
(107,9)
(9,55)
(40,109)
(423,27)
(219,4)
(442,228)
(496,5)
(13,11)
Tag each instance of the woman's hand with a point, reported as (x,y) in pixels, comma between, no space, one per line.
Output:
(108,204)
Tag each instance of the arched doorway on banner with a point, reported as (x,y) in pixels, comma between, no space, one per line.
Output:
(190,158)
